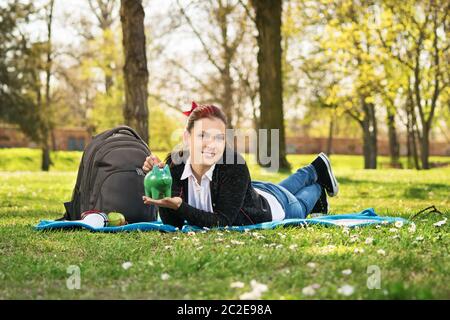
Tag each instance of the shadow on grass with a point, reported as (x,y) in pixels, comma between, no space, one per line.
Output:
(417,191)
(422,191)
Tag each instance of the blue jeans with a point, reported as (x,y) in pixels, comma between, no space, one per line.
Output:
(297,194)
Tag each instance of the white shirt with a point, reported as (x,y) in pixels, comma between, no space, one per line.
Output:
(199,194)
(278,213)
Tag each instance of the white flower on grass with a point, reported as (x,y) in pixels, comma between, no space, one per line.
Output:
(252,295)
(257,290)
(346,230)
(369,240)
(412,227)
(419,238)
(237,284)
(258,286)
(282,235)
(358,250)
(440,223)
(393,230)
(398,224)
(165,276)
(384,222)
(381,252)
(168,247)
(346,290)
(236,242)
(256,235)
(353,238)
(396,237)
(293,246)
(191,233)
(127,265)
(378,226)
(311,265)
(347,272)
(310,290)
(329,248)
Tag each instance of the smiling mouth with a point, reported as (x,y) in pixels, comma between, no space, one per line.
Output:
(208,154)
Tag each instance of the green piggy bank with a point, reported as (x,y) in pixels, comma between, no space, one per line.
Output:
(158,183)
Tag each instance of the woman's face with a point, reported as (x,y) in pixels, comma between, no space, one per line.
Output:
(206,141)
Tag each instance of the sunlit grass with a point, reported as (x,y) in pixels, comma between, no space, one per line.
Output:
(414,265)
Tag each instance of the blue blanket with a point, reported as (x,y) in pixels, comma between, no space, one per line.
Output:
(364,218)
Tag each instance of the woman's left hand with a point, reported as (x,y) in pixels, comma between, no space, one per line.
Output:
(171,203)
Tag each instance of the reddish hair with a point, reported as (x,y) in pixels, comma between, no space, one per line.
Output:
(204,111)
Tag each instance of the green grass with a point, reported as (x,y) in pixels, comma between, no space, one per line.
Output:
(33,265)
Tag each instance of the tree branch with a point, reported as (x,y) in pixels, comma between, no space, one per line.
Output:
(203,43)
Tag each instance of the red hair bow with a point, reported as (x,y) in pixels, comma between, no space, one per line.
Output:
(188,113)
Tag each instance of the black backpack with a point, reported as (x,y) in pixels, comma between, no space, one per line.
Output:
(110,177)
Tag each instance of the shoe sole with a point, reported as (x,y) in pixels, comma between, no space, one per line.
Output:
(334,183)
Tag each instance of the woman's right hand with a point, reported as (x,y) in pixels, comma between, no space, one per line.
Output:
(150,161)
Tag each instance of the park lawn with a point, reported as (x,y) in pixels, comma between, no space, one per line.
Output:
(416,265)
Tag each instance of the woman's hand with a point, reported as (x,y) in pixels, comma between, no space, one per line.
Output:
(171,203)
(150,161)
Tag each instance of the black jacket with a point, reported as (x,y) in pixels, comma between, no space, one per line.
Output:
(235,202)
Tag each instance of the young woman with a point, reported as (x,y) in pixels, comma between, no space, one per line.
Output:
(212,185)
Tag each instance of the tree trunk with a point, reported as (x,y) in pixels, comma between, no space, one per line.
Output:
(135,110)
(394,147)
(268,24)
(46,114)
(415,135)
(227,97)
(413,159)
(369,127)
(425,147)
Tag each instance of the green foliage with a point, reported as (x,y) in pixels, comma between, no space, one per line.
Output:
(107,110)
(18,64)
(165,131)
